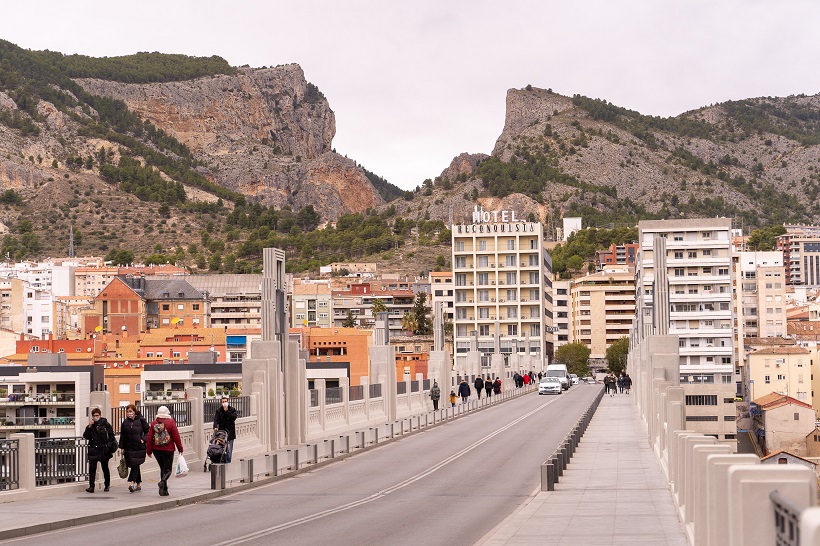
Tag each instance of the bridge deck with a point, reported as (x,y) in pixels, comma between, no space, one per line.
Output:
(613,491)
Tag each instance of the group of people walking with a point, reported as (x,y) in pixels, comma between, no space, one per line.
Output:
(614,384)
(489,386)
(140,439)
(527,379)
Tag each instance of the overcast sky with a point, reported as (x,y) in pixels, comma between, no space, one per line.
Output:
(417,82)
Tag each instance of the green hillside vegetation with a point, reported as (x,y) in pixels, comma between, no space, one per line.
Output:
(790,119)
(141,67)
(388,191)
(580,248)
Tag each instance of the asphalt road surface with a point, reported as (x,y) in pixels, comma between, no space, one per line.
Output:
(448,485)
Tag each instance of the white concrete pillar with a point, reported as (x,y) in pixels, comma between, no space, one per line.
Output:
(25,460)
(717,487)
(699,514)
(320,385)
(688,469)
(199,421)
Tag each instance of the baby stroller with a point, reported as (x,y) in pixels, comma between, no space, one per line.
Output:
(217,449)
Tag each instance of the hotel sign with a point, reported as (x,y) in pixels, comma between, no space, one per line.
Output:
(495,221)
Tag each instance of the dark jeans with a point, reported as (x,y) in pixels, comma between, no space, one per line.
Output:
(135,475)
(478,393)
(435,404)
(165,459)
(92,472)
(464,399)
(489,392)
(228,451)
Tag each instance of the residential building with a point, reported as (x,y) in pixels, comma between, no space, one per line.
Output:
(502,287)
(180,344)
(782,423)
(334,353)
(760,305)
(441,287)
(603,307)
(562,312)
(49,401)
(785,370)
(623,255)
(357,302)
(235,300)
(177,378)
(684,288)
(311,305)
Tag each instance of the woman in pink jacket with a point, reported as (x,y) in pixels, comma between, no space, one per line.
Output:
(163,436)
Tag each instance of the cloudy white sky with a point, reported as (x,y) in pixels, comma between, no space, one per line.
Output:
(415,83)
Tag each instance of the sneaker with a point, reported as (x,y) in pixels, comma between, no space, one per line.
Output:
(89,490)
(106,488)
(138,488)
(131,488)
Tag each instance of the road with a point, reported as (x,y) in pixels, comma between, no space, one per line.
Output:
(451,484)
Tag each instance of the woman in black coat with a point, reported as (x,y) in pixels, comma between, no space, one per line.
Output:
(132,443)
(100,436)
(488,386)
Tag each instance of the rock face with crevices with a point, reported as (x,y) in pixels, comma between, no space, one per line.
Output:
(264,132)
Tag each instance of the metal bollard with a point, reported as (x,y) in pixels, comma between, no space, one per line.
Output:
(550,477)
(333,449)
(561,462)
(401,426)
(217,476)
(315,453)
(296,459)
(565,456)
(247,470)
(555,469)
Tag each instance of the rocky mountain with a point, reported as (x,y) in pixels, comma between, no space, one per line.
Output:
(756,160)
(265,133)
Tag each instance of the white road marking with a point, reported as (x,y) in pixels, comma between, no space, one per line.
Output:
(375,496)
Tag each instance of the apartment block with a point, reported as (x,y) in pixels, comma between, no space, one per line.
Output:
(785,370)
(235,301)
(760,305)
(441,287)
(311,305)
(684,288)
(623,255)
(562,312)
(502,276)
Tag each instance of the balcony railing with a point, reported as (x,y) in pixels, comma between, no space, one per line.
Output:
(375,390)
(401,387)
(333,395)
(180,411)
(9,465)
(36,422)
(356,393)
(60,460)
(242,405)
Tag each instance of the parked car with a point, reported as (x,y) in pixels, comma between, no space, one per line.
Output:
(550,385)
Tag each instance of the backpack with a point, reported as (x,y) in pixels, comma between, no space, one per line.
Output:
(161,436)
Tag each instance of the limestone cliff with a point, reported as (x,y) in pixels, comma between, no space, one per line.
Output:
(264,132)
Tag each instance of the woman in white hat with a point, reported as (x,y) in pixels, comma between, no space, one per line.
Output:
(162,437)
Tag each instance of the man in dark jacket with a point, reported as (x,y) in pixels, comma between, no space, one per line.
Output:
(488,386)
(225,419)
(101,440)
(464,391)
(479,386)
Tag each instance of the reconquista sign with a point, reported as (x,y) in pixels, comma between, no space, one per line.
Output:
(495,221)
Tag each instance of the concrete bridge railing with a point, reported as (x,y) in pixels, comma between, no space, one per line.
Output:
(723,498)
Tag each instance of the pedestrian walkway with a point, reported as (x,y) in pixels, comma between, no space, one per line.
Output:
(613,491)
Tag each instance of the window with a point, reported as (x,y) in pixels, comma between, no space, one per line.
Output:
(511,295)
(483,279)
(483,261)
(512,312)
(484,312)
(702,418)
(679,255)
(512,278)
(510,244)
(460,246)
(461,262)
(533,277)
(767,379)
(136,387)
(796,416)
(510,261)
(196,307)
(166,307)
(692,254)
(180,307)
(461,279)
(483,329)
(125,388)
(512,329)
(701,400)
(678,272)
(482,245)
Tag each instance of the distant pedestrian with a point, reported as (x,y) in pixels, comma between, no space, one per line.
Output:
(453,398)
(225,419)
(163,435)
(488,386)
(620,383)
(627,383)
(526,379)
(435,395)
(100,436)
(540,376)
(497,386)
(479,386)
(133,432)
(464,390)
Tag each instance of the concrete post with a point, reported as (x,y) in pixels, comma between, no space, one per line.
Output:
(699,515)
(102,400)
(320,385)
(25,460)
(688,469)
(199,420)
(344,384)
(295,381)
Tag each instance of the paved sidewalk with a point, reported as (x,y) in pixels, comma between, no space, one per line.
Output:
(613,491)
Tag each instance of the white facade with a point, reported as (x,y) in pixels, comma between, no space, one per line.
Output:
(760,278)
(562,312)
(500,270)
(38,311)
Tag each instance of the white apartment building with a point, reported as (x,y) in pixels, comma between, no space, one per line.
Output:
(235,300)
(501,275)
(311,304)
(684,288)
(760,281)
(562,312)
(441,290)
(603,306)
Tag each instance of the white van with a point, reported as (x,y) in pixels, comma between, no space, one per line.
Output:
(560,371)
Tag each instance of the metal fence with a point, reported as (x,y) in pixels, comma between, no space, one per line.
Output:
(242,405)
(180,411)
(375,390)
(356,393)
(333,395)
(9,465)
(401,387)
(786,520)
(414,386)
(426,385)
(60,460)
(313,398)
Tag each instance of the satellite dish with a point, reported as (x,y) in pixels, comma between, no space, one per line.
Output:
(174,320)
(98,329)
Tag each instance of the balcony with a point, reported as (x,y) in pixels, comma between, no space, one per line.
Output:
(17,400)
(37,423)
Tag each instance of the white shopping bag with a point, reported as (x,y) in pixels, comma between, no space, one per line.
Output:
(182,467)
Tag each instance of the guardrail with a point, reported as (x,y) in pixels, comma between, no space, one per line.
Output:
(242,405)
(313,398)
(333,395)
(180,411)
(60,460)
(401,387)
(553,467)
(356,393)
(9,465)
(375,390)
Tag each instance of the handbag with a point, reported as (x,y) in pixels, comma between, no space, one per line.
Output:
(122,469)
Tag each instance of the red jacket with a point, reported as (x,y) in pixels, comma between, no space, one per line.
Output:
(171,427)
